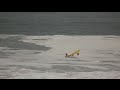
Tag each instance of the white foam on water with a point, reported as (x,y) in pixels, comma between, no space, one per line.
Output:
(88,45)
(94,50)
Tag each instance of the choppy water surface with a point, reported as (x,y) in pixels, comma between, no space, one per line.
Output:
(24,56)
(33,44)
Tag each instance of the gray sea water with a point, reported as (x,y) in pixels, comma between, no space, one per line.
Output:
(60,23)
(33,45)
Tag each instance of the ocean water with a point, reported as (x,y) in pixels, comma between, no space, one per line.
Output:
(60,23)
(34,44)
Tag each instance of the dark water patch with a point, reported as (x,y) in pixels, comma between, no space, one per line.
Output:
(14,42)
(74,62)
(5,54)
(5,49)
(14,49)
(39,39)
(116,55)
(59,63)
(112,37)
(37,52)
(110,61)
(86,69)
(26,60)
(63,68)
(4,68)
(67,68)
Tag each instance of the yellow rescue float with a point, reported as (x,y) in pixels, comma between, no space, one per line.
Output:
(72,54)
